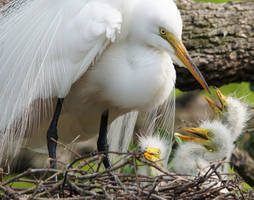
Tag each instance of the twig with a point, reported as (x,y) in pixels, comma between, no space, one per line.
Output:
(79,183)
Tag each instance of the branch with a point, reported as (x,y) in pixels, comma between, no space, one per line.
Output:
(220,39)
(244,165)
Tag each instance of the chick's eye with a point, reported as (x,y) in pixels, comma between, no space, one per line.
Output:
(210,134)
(162,31)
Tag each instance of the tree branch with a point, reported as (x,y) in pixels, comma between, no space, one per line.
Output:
(220,39)
(244,164)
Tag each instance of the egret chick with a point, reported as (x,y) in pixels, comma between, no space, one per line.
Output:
(211,142)
(201,149)
(156,149)
(232,111)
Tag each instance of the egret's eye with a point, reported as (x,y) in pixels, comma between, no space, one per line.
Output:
(162,31)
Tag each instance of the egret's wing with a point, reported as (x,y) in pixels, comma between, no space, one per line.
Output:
(45,46)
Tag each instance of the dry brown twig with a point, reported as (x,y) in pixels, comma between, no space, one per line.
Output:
(82,180)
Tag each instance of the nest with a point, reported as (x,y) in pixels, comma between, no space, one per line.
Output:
(85,178)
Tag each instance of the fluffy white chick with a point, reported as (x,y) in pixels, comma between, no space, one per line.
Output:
(156,149)
(211,142)
(233,112)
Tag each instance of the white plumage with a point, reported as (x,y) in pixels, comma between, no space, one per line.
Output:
(212,142)
(192,157)
(232,111)
(97,54)
(163,145)
(236,116)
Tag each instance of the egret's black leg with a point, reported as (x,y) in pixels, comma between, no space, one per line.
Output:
(52,133)
(102,143)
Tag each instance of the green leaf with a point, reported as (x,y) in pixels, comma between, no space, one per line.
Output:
(178,140)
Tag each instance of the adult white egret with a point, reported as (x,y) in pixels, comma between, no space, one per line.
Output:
(104,57)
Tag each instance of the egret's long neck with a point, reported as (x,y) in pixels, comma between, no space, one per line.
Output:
(154,66)
(134,76)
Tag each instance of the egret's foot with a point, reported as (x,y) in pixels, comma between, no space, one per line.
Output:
(104,148)
(102,143)
(218,109)
(52,136)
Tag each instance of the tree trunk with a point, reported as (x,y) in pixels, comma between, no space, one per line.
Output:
(244,165)
(3,2)
(220,39)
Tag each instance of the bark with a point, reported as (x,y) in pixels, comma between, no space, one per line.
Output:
(244,165)
(220,39)
(3,2)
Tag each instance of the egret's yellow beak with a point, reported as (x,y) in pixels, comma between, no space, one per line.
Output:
(183,55)
(198,135)
(152,154)
(218,109)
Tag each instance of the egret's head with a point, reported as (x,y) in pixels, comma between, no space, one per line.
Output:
(213,135)
(158,24)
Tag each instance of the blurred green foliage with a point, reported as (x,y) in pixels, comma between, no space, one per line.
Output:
(92,167)
(243,90)
(20,185)
(240,90)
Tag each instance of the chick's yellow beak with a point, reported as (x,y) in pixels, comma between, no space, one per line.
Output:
(183,55)
(152,154)
(221,97)
(218,109)
(198,135)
